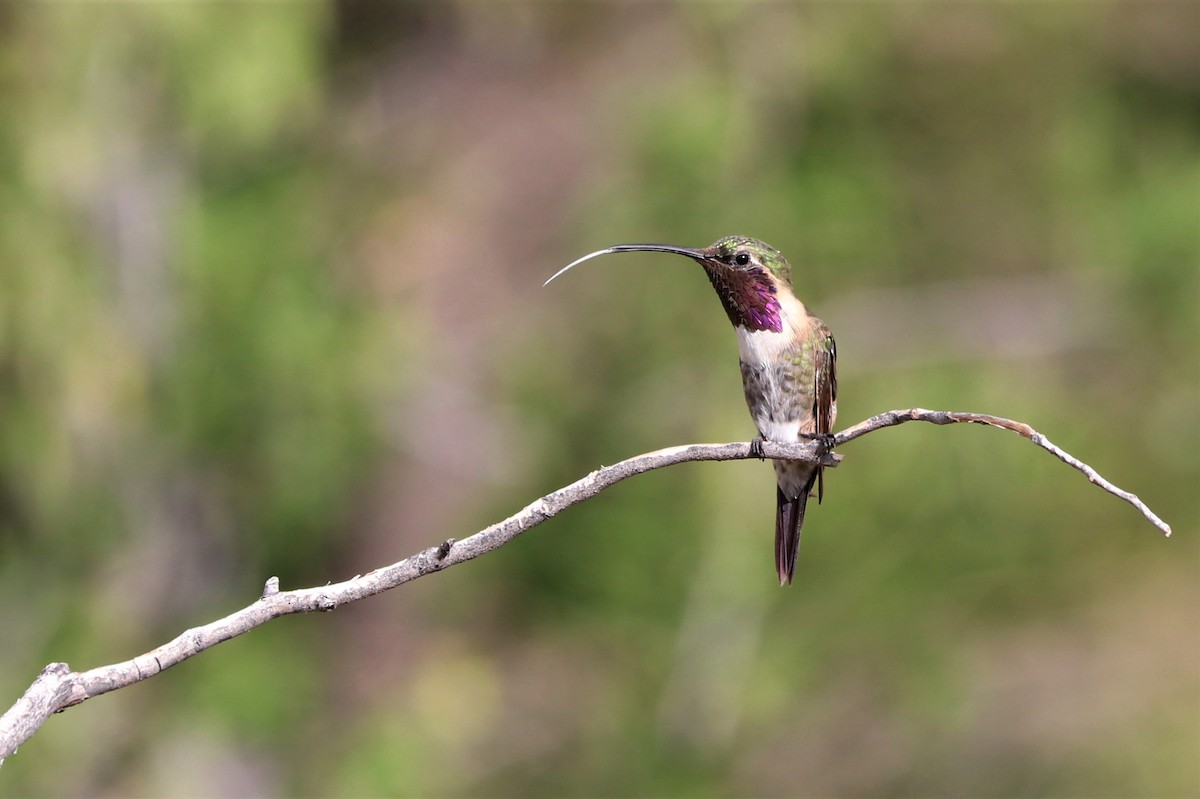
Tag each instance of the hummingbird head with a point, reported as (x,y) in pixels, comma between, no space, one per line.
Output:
(748,275)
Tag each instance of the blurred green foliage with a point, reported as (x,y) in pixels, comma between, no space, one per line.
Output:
(270,304)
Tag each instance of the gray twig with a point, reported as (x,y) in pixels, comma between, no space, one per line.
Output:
(891,418)
(58,688)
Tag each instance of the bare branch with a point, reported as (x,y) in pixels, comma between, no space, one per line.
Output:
(891,418)
(58,688)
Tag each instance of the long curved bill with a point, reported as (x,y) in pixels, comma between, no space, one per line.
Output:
(690,253)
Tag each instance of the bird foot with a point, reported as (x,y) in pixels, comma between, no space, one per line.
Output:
(825,441)
(756,447)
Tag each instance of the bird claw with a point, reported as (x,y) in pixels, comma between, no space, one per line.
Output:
(825,441)
(756,447)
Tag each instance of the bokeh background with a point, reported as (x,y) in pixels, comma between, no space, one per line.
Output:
(271,304)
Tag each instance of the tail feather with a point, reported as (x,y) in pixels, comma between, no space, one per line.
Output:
(789,518)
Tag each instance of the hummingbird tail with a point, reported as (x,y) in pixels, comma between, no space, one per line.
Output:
(789,518)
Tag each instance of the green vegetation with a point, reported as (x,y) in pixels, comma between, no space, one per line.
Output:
(271,304)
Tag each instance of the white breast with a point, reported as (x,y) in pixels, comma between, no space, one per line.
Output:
(762,348)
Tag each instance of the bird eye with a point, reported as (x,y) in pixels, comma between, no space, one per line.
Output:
(742,258)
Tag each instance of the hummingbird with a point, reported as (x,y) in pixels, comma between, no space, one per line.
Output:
(788,362)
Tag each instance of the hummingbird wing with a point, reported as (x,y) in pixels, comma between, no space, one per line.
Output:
(824,389)
(817,359)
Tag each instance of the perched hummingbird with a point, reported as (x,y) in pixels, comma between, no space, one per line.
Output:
(789,365)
